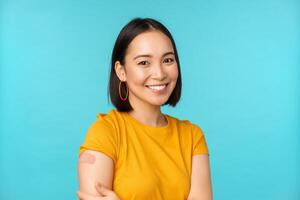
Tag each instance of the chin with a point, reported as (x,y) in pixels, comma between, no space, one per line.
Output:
(158,102)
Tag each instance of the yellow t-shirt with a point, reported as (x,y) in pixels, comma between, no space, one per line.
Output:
(150,162)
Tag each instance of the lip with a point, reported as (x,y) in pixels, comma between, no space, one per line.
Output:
(158,84)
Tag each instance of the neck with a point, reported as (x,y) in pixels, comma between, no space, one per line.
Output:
(146,113)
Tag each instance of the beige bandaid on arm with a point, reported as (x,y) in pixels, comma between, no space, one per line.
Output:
(94,167)
(86,157)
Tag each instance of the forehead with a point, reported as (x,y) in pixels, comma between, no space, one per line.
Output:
(151,42)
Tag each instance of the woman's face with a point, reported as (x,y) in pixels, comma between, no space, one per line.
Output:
(150,68)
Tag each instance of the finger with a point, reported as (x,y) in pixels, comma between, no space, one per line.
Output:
(98,188)
(84,196)
(103,190)
(80,195)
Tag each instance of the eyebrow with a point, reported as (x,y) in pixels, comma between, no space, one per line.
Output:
(147,55)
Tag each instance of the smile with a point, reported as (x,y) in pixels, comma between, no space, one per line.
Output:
(157,87)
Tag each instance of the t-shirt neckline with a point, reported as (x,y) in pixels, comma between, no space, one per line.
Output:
(135,121)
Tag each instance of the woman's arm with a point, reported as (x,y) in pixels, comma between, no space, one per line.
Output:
(94,167)
(201,187)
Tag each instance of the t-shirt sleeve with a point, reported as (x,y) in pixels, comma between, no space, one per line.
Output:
(199,142)
(101,137)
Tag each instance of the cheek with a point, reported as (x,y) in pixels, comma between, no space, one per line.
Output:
(173,73)
(137,76)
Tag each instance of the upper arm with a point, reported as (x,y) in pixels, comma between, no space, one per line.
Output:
(94,167)
(201,187)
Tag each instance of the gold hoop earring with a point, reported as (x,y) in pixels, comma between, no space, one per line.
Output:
(127,91)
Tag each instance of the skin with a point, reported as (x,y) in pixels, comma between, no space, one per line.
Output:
(104,194)
(159,66)
(149,60)
(91,174)
(86,157)
(201,185)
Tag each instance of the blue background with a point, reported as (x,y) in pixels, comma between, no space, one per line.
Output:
(240,68)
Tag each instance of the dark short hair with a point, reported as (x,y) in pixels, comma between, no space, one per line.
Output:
(132,29)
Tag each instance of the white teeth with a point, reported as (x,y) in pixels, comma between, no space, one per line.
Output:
(157,87)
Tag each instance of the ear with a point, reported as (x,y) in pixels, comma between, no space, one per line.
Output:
(120,71)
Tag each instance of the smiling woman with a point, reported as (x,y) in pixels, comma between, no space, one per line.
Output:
(149,64)
(135,151)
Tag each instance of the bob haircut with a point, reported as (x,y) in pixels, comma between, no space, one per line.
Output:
(135,27)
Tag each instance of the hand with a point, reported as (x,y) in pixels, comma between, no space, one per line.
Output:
(105,194)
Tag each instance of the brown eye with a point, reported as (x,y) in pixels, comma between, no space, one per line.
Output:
(143,63)
(169,60)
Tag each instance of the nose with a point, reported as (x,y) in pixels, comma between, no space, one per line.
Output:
(158,72)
